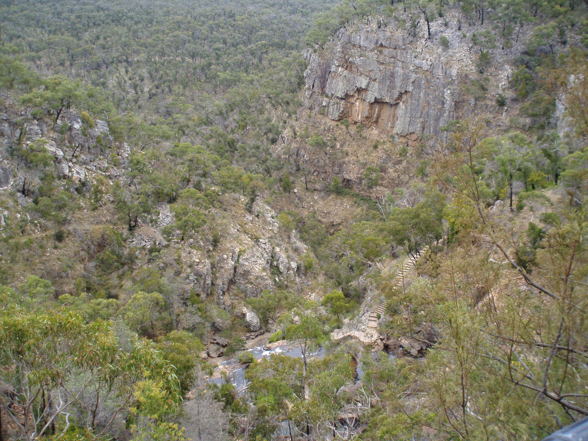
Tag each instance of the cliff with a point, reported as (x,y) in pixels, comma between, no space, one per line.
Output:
(383,75)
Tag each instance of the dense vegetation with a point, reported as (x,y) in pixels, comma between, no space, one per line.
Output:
(94,343)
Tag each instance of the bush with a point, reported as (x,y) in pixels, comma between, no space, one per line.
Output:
(337,186)
(87,120)
(372,176)
(444,42)
(59,236)
(523,82)
(500,100)
(276,336)
(246,358)
(317,141)
(286,184)
(35,154)
(484,61)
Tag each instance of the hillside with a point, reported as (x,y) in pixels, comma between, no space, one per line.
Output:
(305,220)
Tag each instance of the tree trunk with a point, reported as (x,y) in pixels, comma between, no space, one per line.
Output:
(510,185)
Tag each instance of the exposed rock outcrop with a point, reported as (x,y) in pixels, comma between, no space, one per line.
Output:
(379,75)
(79,150)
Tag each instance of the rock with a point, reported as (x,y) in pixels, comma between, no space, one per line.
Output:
(280,261)
(393,346)
(224,270)
(428,333)
(221,341)
(412,347)
(215,351)
(165,217)
(63,169)
(52,148)
(251,320)
(77,174)
(424,338)
(201,277)
(252,274)
(32,131)
(377,74)
(5,177)
(220,324)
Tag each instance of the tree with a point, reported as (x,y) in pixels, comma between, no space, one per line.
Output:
(67,372)
(575,176)
(13,73)
(276,383)
(56,95)
(309,333)
(182,350)
(337,303)
(146,313)
(188,220)
(414,227)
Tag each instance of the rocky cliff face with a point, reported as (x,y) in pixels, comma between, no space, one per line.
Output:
(382,75)
(379,94)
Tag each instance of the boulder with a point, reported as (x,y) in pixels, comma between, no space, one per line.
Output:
(251,320)
(215,351)
(5,177)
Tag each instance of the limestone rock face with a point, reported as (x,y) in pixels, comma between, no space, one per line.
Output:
(379,75)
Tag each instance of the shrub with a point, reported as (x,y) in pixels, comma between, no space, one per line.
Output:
(523,82)
(484,61)
(87,120)
(317,141)
(246,358)
(500,100)
(372,176)
(444,42)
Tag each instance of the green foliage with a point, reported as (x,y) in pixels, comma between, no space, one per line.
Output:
(337,303)
(484,61)
(35,154)
(181,349)
(246,358)
(270,304)
(477,89)
(501,100)
(147,314)
(59,93)
(575,176)
(15,74)
(523,82)
(337,186)
(47,353)
(309,331)
(540,107)
(444,42)
(87,119)
(317,141)
(188,220)
(286,221)
(372,176)
(484,39)
(286,184)
(414,227)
